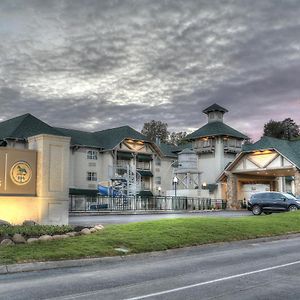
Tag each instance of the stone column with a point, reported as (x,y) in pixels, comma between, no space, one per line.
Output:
(52,177)
(297,183)
(232,199)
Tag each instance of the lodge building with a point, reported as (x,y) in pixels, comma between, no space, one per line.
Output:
(122,161)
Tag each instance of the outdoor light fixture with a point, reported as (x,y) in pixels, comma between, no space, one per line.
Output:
(159,190)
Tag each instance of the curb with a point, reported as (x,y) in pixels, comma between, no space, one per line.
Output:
(48,265)
(152,212)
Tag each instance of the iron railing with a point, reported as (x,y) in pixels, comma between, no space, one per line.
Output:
(100,203)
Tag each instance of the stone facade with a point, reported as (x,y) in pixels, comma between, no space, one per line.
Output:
(232,195)
(297,183)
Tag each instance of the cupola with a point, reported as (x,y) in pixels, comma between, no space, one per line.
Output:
(215,113)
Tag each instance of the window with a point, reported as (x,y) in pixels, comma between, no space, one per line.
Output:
(91,176)
(158,180)
(91,154)
(206,142)
(143,165)
(232,143)
(157,161)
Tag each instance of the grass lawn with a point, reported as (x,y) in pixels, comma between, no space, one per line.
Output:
(154,236)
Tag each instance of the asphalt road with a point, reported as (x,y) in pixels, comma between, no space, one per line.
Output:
(123,219)
(240,270)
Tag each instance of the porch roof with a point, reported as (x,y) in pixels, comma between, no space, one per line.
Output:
(290,150)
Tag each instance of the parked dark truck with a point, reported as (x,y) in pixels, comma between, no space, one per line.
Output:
(269,202)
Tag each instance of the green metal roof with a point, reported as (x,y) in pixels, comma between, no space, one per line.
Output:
(168,149)
(144,157)
(105,139)
(81,138)
(184,146)
(215,107)
(112,137)
(215,129)
(124,155)
(145,173)
(25,126)
(290,149)
(145,194)
(83,192)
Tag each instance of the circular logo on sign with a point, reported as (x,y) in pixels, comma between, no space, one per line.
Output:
(21,173)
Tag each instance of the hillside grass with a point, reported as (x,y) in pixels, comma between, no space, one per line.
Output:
(154,236)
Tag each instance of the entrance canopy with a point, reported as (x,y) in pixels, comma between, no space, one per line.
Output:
(263,166)
(262,163)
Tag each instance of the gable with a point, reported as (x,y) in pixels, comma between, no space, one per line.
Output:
(257,161)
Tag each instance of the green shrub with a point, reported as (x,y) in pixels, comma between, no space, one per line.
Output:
(34,230)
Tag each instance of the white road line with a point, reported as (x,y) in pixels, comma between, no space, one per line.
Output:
(94,293)
(213,281)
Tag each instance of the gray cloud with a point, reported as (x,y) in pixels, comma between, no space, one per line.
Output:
(100,64)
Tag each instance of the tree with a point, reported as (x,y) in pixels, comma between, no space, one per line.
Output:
(156,129)
(291,129)
(286,129)
(177,138)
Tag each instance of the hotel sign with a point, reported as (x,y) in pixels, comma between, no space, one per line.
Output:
(17,172)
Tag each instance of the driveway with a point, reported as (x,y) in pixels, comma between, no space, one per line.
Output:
(85,220)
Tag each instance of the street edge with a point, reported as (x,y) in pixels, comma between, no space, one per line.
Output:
(48,265)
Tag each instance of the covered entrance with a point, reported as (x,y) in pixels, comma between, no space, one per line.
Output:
(257,171)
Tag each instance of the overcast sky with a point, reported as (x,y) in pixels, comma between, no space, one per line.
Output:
(98,64)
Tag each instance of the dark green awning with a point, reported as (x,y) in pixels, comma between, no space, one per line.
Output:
(144,157)
(211,187)
(145,173)
(124,155)
(145,194)
(83,192)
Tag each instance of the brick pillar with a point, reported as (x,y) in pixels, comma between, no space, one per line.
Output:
(232,199)
(297,183)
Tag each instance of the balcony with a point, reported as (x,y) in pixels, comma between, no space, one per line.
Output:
(232,149)
(205,149)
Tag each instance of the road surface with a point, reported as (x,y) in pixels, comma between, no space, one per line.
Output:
(123,219)
(240,270)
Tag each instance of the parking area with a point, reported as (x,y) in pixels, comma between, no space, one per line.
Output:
(85,220)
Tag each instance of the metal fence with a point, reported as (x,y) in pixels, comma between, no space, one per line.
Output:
(84,203)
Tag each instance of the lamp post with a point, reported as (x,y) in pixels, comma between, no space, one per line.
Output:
(159,190)
(175,182)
